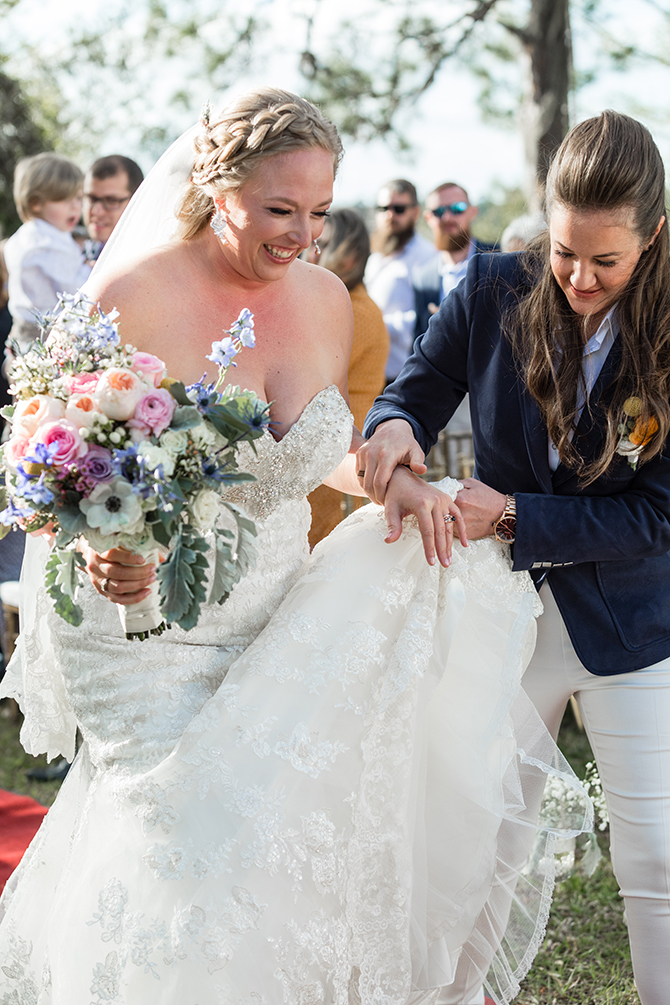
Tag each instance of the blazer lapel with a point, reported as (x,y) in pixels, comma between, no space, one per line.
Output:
(590,432)
(535,435)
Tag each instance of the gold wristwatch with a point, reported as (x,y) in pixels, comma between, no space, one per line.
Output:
(504,529)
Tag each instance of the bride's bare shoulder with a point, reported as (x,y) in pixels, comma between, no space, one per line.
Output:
(138,283)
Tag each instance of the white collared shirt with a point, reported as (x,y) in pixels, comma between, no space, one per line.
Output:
(42,261)
(595,353)
(388,280)
(452,274)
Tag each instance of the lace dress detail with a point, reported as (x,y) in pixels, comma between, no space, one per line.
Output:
(322,795)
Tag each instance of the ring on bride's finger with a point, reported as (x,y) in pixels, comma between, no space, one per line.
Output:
(105,585)
(448,518)
(360,474)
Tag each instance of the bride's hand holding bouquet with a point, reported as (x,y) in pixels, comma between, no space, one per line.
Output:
(109,452)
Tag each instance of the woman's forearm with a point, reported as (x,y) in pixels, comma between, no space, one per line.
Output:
(344,477)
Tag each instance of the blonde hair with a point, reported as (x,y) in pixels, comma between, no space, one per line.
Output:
(229,148)
(44,178)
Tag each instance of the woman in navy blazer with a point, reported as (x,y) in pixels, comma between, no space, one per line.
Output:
(565,351)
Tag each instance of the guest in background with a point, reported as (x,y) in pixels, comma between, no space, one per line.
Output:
(397,250)
(42,258)
(449,214)
(522,231)
(345,248)
(109,185)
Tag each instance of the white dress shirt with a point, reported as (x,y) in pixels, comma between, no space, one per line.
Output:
(388,279)
(595,353)
(42,261)
(452,274)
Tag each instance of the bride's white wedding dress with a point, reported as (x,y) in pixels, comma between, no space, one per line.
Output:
(321,794)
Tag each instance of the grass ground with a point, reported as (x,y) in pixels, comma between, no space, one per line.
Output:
(585,958)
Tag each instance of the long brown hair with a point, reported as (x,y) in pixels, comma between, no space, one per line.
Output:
(348,246)
(609,163)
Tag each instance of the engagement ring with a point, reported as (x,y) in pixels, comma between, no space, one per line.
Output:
(105,585)
(449,518)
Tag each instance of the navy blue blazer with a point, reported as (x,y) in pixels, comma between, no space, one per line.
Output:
(605,549)
(427,283)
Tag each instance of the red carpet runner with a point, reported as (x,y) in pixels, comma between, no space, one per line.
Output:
(20,816)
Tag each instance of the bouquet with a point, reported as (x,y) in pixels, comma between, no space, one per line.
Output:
(106,447)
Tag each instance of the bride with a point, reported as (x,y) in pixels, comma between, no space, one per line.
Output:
(327,791)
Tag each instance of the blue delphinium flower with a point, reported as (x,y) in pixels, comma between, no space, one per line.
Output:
(243,328)
(14,514)
(43,454)
(223,352)
(37,492)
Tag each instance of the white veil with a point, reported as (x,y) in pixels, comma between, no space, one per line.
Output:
(150,221)
(33,676)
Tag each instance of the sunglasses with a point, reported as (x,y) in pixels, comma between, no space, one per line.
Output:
(455,208)
(396,207)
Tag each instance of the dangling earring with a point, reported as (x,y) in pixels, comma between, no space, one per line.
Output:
(317,249)
(219,226)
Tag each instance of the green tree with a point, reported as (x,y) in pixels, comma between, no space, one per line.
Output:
(21,135)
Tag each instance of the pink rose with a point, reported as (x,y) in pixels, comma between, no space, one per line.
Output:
(82,411)
(15,450)
(83,383)
(118,393)
(66,435)
(32,412)
(151,368)
(154,412)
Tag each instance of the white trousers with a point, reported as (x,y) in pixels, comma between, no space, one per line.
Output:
(627,719)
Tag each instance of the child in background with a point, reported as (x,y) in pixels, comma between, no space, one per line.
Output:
(42,257)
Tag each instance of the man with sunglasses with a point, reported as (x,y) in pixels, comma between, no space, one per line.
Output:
(108,187)
(396,251)
(449,214)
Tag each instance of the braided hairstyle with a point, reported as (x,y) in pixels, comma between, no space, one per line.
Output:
(229,148)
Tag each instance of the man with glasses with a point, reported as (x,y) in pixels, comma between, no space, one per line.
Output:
(449,214)
(108,187)
(396,251)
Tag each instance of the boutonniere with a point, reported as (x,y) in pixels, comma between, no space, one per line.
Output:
(635,431)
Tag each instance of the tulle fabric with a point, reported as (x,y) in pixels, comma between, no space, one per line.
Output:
(351,817)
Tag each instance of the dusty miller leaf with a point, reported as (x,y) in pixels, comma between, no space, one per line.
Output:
(182,579)
(62,567)
(231,565)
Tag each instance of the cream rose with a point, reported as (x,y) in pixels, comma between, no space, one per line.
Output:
(155,457)
(82,411)
(174,441)
(30,414)
(205,509)
(118,393)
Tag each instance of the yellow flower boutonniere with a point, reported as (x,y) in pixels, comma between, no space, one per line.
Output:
(635,431)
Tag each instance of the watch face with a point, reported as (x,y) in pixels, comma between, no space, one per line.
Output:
(505,529)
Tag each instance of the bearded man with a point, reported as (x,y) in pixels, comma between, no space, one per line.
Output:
(396,251)
(449,214)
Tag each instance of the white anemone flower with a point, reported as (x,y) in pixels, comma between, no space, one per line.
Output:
(112,507)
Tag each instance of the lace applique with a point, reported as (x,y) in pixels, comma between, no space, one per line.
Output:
(397,591)
(25,988)
(173,861)
(304,752)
